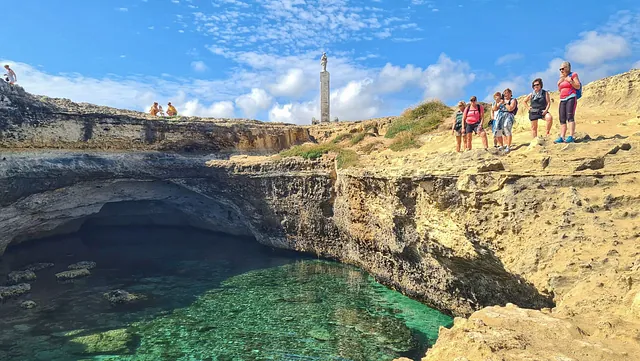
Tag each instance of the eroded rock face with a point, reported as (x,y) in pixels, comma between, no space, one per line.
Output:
(390,227)
(30,121)
(515,334)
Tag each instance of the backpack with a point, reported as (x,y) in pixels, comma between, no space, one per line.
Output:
(478,108)
(579,90)
(515,111)
(458,124)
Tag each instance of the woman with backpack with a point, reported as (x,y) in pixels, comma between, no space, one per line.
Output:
(539,101)
(507,109)
(456,129)
(472,120)
(570,91)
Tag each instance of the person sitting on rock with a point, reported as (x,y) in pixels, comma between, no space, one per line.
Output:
(171,110)
(154,109)
(11,77)
(472,123)
(160,111)
(540,103)
(457,124)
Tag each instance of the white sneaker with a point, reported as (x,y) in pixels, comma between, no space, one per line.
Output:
(506,149)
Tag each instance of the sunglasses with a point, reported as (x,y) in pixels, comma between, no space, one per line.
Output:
(561,69)
(536,84)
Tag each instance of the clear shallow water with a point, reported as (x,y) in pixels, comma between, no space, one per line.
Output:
(206,297)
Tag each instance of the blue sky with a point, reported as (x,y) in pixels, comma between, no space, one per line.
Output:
(260,58)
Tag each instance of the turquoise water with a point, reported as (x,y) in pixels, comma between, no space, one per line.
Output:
(207,297)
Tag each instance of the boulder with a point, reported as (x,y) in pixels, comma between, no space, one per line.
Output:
(27,305)
(593,164)
(14,291)
(114,342)
(69,275)
(84,264)
(16,277)
(117,297)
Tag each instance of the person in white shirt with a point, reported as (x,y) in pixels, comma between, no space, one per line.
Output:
(11,75)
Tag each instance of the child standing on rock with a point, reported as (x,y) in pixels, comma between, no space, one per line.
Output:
(11,75)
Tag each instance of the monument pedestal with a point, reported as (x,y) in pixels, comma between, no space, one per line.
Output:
(324,97)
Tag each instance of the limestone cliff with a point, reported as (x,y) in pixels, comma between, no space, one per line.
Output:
(551,227)
(28,121)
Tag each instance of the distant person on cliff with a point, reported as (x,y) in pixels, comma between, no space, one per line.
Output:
(472,123)
(507,109)
(497,133)
(171,110)
(160,111)
(456,129)
(568,85)
(540,101)
(154,109)
(11,75)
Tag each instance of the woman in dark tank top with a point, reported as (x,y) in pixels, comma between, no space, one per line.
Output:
(540,101)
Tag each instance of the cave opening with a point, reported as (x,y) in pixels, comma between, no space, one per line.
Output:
(183,278)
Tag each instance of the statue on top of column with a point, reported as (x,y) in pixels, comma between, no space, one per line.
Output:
(323,62)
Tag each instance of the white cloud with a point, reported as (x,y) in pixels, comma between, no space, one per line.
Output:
(124,10)
(199,66)
(253,102)
(636,65)
(446,79)
(293,83)
(507,58)
(594,48)
(394,78)
(223,109)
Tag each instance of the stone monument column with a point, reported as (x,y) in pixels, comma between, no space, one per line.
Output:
(324,91)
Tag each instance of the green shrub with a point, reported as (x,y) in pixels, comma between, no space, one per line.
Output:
(358,138)
(419,120)
(403,141)
(368,148)
(312,151)
(340,137)
(346,158)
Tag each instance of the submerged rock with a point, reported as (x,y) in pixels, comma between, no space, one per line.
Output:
(119,341)
(35,267)
(84,264)
(117,297)
(14,291)
(27,305)
(69,275)
(16,277)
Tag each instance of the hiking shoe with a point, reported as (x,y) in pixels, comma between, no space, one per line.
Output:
(506,149)
(559,140)
(569,139)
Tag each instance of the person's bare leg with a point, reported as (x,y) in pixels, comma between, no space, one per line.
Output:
(469,140)
(572,128)
(458,141)
(485,141)
(549,120)
(534,128)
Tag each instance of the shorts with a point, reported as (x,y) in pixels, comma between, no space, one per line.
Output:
(568,110)
(535,114)
(493,123)
(504,125)
(476,128)
(458,132)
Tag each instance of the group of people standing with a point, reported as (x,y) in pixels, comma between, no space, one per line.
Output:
(158,111)
(470,117)
(10,77)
